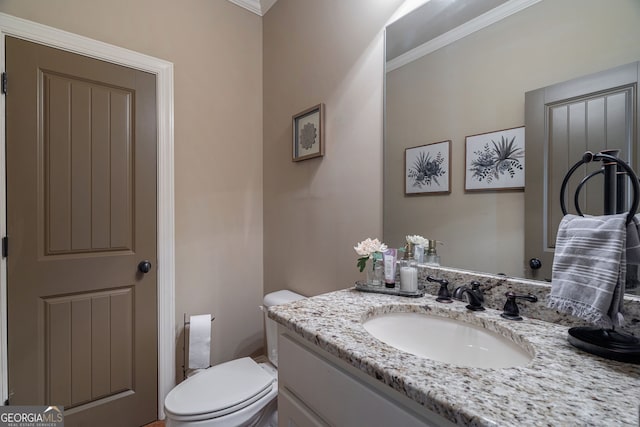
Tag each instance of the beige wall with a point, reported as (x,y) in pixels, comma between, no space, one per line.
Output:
(316,210)
(216,49)
(477,85)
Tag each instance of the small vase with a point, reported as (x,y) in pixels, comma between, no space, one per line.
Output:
(375,273)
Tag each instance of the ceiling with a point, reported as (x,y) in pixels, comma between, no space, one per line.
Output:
(259,7)
(437,23)
(431,20)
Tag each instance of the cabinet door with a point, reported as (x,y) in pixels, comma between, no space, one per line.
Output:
(293,413)
(339,398)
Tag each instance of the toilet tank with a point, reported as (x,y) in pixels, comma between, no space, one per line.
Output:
(271,327)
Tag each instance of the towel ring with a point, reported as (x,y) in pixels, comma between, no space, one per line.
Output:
(576,197)
(589,157)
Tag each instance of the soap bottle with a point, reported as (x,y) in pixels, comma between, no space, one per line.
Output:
(408,271)
(432,258)
(418,254)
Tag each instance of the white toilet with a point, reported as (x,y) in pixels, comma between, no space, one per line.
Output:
(236,393)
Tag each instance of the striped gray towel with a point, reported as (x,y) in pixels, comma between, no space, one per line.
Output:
(589,268)
(633,254)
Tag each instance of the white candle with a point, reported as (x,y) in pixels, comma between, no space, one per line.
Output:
(408,279)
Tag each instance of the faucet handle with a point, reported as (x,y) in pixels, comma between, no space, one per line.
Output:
(443,293)
(436,280)
(511,311)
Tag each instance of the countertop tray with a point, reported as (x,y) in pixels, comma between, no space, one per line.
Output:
(381,289)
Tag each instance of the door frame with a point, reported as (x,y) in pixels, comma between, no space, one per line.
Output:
(163,70)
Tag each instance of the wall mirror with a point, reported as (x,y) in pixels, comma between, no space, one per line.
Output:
(457,68)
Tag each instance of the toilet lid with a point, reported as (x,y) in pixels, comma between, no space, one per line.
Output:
(223,388)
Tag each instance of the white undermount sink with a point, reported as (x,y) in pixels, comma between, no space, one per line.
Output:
(446,340)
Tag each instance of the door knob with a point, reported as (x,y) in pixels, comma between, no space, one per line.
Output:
(144,266)
(535,263)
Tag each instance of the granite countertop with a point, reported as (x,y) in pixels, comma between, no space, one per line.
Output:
(560,386)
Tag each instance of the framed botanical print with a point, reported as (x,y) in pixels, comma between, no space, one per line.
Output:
(495,160)
(427,169)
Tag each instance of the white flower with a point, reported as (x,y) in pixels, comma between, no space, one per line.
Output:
(368,247)
(418,240)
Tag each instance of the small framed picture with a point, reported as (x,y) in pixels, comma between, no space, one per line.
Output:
(308,133)
(495,161)
(427,169)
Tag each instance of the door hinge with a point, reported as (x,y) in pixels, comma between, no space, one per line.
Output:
(4,83)
(5,246)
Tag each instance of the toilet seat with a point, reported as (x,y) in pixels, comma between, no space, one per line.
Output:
(219,390)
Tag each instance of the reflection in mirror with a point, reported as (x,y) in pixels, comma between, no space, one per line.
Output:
(477,84)
(595,113)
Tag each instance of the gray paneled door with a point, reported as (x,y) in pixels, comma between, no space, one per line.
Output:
(81,216)
(563,121)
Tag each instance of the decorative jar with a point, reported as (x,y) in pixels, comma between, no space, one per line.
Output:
(375,273)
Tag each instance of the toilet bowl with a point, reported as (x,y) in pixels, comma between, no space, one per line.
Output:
(240,392)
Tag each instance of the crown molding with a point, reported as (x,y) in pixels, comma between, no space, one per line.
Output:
(259,7)
(491,17)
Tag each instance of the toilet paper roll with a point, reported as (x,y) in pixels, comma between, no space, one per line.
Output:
(199,341)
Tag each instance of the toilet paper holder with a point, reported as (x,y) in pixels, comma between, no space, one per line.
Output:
(185,323)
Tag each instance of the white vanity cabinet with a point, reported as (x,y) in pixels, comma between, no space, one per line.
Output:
(317,389)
